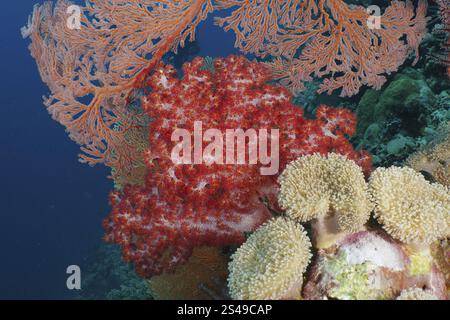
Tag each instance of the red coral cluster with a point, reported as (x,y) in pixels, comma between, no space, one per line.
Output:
(183,206)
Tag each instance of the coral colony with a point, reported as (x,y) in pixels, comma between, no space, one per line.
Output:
(234,146)
(223,187)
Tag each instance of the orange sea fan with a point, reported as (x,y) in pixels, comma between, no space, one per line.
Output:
(326,38)
(203,277)
(91,70)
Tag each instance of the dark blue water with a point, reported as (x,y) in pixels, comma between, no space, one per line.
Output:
(51,206)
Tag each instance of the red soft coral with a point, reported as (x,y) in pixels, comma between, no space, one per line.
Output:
(187,205)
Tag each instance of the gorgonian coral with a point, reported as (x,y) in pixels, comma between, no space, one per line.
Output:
(183,206)
(271,263)
(327,38)
(91,70)
(203,276)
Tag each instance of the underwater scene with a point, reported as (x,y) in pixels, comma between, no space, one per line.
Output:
(225,150)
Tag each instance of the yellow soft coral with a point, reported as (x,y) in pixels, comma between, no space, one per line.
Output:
(271,263)
(409,207)
(314,186)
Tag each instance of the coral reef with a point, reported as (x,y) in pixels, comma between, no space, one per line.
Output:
(184,206)
(403,117)
(203,277)
(112,89)
(92,69)
(364,262)
(333,38)
(271,263)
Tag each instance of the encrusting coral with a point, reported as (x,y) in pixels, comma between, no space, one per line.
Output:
(271,263)
(364,265)
(410,208)
(330,189)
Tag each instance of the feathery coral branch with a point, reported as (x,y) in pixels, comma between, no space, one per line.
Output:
(326,38)
(92,70)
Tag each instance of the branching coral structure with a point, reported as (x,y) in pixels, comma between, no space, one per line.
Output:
(211,203)
(327,38)
(116,98)
(91,70)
